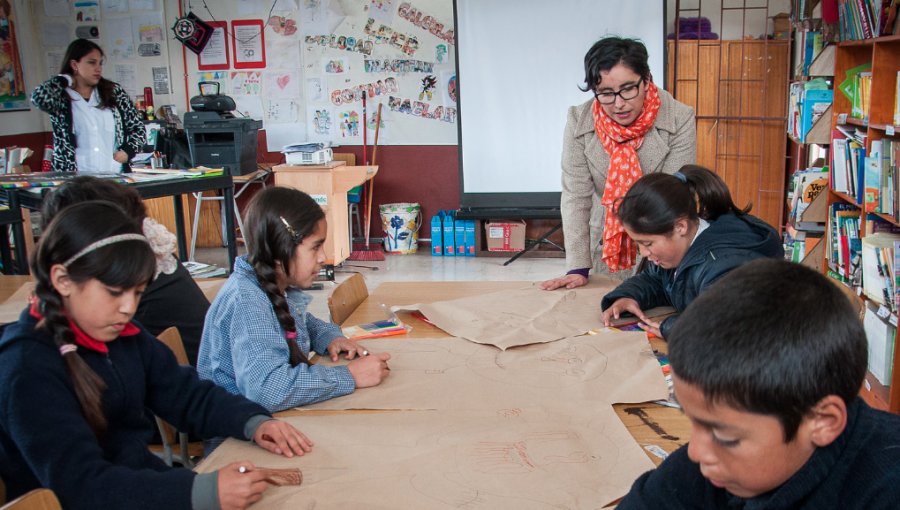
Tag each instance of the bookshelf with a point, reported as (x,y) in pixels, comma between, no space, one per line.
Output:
(848,200)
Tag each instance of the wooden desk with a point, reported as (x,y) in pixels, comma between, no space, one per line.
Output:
(23,198)
(328,184)
(649,423)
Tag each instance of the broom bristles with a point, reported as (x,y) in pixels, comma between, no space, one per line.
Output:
(365,252)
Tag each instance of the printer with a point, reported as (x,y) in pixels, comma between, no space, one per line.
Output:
(217,138)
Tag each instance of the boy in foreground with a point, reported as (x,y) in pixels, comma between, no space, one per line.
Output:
(767,364)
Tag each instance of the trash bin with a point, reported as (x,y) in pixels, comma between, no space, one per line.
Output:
(401,224)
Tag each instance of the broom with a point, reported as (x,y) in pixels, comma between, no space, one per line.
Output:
(367,252)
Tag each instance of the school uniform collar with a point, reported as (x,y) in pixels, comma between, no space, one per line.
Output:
(82,339)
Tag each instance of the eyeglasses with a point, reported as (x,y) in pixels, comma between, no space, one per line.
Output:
(626,93)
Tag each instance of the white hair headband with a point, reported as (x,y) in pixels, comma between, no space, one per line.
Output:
(106,241)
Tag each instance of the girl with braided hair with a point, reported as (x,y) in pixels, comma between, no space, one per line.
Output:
(77,375)
(258,333)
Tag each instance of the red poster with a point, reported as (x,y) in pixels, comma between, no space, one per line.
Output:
(248,43)
(214,56)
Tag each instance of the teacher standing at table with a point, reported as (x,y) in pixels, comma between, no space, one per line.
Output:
(628,129)
(96,128)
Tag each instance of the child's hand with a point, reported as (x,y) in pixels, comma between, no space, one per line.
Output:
(651,326)
(341,344)
(282,438)
(621,306)
(370,370)
(238,490)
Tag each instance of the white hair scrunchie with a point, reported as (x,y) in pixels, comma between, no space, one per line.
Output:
(162,242)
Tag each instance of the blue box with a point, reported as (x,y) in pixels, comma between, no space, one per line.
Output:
(449,245)
(437,234)
(459,229)
(470,238)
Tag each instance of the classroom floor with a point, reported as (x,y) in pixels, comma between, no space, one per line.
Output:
(420,267)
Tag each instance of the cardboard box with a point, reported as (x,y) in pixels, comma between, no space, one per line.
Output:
(505,235)
(470,238)
(459,237)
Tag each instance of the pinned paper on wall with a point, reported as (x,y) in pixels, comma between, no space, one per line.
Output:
(280,111)
(315,90)
(220,77)
(283,51)
(54,59)
(282,25)
(54,33)
(148,28)
(87,11)
(115,6)
(248,41)
(246,83)
(57,8)
(249,106)
(119,40)
(440,53)
(381,10)
(349,124)
(215,53)
(143,5)
(124,75)
(313,19)
(281,84)
(321,121)
(449,87)
(335,66)
(161,80)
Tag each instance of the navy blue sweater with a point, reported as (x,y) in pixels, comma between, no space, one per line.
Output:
(729,242)
(859,470)
(46,442)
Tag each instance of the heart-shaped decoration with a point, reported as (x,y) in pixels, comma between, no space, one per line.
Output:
(282,81)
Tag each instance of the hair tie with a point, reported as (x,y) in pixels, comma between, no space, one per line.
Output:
(681,177)
(290,335)
(106,241)
(67,348)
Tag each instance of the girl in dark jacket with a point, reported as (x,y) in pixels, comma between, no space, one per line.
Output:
(692,233)
(76,376)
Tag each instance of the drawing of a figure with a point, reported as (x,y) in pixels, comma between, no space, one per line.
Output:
(428,84)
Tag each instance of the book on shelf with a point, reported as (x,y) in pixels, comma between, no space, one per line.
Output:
(877,267)
(881,336)
(806,185)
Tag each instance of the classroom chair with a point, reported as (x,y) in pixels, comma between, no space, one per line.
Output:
(242,183)
(172,439)
(346,297)
(38,499)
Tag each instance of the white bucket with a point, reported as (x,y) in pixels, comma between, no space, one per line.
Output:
(401,224)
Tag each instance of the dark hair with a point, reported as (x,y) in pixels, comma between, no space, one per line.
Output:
(84,188)
(124,264)
(608,53)
(271,242)
(76,51)
(771,337)
(656,201)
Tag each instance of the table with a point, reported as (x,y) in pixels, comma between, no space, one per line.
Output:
(24,198)
(648,423)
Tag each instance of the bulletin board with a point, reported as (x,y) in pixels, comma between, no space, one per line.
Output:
(313,60)
(134,35)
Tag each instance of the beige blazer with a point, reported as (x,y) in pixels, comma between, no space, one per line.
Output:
(670,144)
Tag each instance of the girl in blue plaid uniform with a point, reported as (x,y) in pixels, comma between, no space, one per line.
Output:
(259,334)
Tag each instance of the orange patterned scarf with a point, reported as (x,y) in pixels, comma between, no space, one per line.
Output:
(621,143)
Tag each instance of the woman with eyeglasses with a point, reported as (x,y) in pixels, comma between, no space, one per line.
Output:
(628,129)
